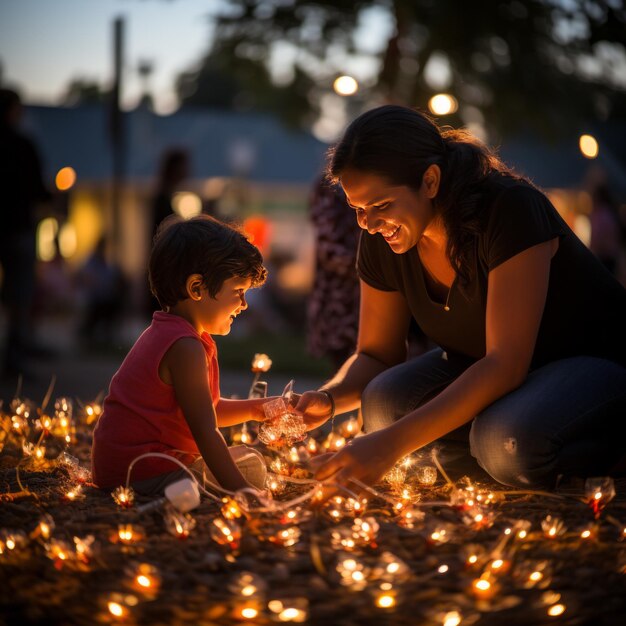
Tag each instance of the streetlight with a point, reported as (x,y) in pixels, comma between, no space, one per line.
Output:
(345,85)
(588,146)
(443,104)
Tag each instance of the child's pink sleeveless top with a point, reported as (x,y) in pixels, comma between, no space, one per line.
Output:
(141,413)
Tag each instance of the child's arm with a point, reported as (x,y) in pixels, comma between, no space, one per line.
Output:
(185,362)
(231,412)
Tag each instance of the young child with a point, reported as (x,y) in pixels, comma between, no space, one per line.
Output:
(165,396)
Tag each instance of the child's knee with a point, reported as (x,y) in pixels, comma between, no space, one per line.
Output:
(253,467)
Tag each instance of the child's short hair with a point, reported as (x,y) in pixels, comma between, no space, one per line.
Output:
(200,245)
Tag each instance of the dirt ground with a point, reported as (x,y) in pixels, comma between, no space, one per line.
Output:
(443,564)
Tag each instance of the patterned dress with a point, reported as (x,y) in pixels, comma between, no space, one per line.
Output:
(333,307)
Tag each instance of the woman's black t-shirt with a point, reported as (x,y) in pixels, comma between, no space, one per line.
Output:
(585,310)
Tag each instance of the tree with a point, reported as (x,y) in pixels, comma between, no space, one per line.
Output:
(540,64)
(84,91)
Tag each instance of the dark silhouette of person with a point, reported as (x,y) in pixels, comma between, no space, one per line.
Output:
(21,189)
(173,170)
(606,233)
(333,305)
(104,288)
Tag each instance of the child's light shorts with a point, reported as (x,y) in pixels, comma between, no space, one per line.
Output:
(250,463)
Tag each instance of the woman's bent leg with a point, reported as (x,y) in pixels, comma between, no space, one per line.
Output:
(402,388)
(568,418)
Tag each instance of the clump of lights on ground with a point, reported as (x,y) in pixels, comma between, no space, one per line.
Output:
(418,548)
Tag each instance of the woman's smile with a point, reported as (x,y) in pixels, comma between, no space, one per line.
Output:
(390,235)
(398,213)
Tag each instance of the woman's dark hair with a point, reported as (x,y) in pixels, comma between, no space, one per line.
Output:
(201,245)
(399,144)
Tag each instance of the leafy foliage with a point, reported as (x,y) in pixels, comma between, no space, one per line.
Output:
(544,64)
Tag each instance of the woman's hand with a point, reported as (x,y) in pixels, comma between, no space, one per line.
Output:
(314,406)
(367,459)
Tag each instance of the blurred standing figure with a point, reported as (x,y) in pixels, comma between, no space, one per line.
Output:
(606,234)
(104,289)
(174,169)
(333,308)
(21,188)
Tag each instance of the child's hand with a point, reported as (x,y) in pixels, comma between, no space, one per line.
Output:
(257,412)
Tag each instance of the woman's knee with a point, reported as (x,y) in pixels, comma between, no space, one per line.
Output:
(511,454)
(377,406)
(400,389)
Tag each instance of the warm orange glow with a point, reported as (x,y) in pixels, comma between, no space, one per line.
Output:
(65,178)
(556,610)
(443,104)
(257,228)
(588,145)
(116,609)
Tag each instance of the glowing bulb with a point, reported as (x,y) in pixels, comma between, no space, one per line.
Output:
(65,178)
(588,146)
(345,86)
(453,618)
(144,581)
(187,204)
(536,576)
(443,104)
(556,610)
(249,612)
(385,601)
(116,609)
(482,584)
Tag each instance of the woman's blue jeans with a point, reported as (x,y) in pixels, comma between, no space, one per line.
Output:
(567,418)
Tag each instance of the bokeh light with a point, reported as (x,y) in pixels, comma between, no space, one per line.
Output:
(443,104)
(187,204)
(346,86)
(65,178)
(588,146)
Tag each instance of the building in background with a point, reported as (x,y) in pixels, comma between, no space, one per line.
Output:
(248,166)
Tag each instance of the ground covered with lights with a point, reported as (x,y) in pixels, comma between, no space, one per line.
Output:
(426,547)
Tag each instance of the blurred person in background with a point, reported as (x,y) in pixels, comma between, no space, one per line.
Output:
(173,170)
(607,236)
(333,305)
(21,190)
(103,287)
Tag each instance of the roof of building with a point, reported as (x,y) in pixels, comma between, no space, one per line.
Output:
(220,143)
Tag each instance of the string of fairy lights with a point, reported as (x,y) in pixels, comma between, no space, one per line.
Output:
(411,497)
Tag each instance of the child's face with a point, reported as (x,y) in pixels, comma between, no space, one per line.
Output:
(217,315)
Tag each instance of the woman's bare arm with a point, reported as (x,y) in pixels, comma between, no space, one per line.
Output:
(383,326)
(516,297)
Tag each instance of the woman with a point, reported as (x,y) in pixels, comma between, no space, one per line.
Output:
(530,325)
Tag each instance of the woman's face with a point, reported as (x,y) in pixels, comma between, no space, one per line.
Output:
(399,213)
